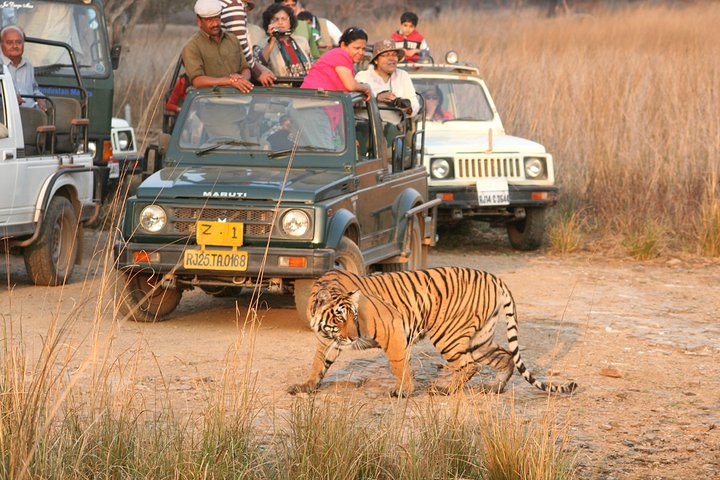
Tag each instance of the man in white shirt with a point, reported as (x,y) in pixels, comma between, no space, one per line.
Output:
(12,40)
(387,82)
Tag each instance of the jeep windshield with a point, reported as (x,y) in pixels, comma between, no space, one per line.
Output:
(268,123)
(78,25)
(453,100)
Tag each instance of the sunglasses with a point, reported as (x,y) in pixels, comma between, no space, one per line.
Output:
(431,97)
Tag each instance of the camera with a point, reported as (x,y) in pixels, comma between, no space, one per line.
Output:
(276,32)
(402,103)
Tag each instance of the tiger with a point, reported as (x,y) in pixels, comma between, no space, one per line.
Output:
(456,308)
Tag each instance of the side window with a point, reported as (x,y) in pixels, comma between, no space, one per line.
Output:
(364,144)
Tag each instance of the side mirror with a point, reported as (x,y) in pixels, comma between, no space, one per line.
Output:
(115,56)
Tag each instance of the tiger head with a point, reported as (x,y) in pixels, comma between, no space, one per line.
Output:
(335,315)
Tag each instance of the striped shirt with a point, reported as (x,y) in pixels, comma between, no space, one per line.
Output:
(234,20)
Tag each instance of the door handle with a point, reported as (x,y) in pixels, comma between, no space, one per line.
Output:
(8,155)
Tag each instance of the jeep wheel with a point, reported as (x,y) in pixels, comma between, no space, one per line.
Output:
(51,258)
(528,233)
(141,300)
(417,258)
(348,257)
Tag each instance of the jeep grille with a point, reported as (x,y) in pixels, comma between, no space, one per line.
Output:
(258,223)
(488,167)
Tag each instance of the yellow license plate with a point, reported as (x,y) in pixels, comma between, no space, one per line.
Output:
(219,234)
(216,260)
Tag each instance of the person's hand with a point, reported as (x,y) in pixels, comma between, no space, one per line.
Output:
(267,79)
(20,99)
(388,97)
(241,83)
(42,105)
(365,88)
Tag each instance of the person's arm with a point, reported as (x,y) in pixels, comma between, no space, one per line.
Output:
(351,85)
(241,81)
(267,50)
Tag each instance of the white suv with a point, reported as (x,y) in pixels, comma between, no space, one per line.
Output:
(477,170)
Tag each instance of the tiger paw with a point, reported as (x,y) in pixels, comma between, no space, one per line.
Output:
(403,393)
(302,388)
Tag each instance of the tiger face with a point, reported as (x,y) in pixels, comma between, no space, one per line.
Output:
(335,316)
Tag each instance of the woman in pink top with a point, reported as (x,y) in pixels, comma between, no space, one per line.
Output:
(335,69)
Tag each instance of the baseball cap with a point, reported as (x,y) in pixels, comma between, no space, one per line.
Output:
(208,8)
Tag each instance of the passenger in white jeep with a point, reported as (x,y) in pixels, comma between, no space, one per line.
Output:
(23,73)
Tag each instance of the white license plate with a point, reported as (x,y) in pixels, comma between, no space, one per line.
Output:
(492,192)
(229,260)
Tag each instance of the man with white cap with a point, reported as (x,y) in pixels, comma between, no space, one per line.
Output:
(213,57)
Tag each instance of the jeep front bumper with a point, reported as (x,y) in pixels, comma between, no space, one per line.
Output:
(162,259)
(462,201)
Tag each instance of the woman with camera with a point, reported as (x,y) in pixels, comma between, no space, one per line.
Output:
(287,55)
(334,69)
(389,84)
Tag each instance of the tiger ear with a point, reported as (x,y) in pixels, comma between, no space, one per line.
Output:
(355,297)
(323,295)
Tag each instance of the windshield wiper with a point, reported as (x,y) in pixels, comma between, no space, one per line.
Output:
(224,143)
(303,148)
(54,67)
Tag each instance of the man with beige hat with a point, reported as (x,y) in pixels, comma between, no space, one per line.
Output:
(213,57)
(388,83)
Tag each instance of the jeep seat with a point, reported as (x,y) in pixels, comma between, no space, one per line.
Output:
(69,124)
(37,133)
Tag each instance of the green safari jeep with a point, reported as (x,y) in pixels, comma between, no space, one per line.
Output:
(272,189)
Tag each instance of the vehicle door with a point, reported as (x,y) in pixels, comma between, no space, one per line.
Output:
(8,163)
(373,203)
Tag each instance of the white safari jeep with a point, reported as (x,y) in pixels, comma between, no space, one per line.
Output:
(46,182)
(477,170)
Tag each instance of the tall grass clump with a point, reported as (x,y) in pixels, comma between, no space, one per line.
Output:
(481,438)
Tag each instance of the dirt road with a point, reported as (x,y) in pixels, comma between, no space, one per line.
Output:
(641,339)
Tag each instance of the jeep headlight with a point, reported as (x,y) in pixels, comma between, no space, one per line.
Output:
(441,168)
(295,223)
(535,168)
(153,218)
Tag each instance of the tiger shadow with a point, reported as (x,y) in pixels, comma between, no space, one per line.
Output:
(544,343)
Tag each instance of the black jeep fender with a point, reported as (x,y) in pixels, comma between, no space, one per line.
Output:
(341,222)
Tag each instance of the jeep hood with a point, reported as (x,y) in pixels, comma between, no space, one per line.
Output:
(454,141)
(245,183)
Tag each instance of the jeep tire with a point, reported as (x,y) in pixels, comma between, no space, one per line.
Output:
(417,255)
(51,258)
(347,257)
(140,299)
(528,233)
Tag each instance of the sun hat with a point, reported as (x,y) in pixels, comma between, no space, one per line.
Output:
(386,45)
(208,8)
